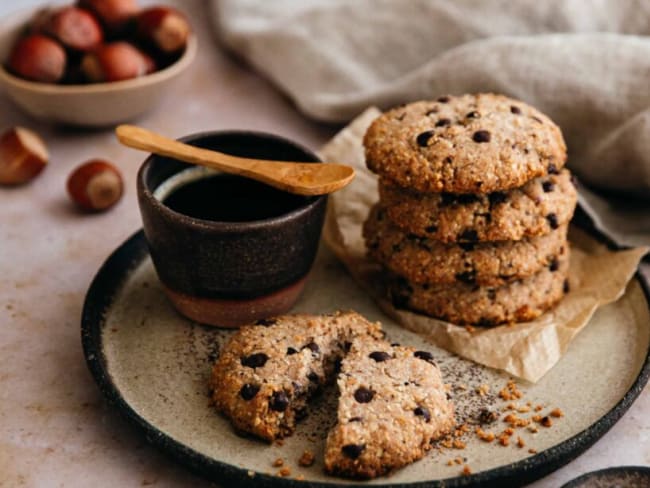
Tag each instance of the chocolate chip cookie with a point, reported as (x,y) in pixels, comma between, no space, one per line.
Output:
(267,372)
(533,209)
(465,304)
(421,260)
(392,405)
(464,144)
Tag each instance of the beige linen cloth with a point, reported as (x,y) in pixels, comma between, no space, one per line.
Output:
(586,63)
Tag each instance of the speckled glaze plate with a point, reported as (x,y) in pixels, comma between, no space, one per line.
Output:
(153,366)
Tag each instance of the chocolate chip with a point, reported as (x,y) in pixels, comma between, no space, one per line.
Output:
(487,416)
(313,377)
(444,99)
(379,356)
(422,412)
(397,247)
(449,160)
(515,110)
(448,395)
(487,216)
(313,347)
(401,116)
(355,419)
(492,293)
(443,123)
(481,136)
(256,360)
(537,119)
(353,451)
(467,246)
(248,391)
(279,401)
(497,197)
(554,265)
(395,344)
(552,221)
(468,277)
(548,186)
(346,346)
(425,356)
(423,138)
(432,110)
(566,287)
(363,395)
(473,115)
(552,169)
(468,235)
(431,229)
(265,322)
(485,322)
(291,350)
(337,365)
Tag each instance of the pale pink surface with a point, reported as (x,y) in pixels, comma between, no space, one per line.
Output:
(55,429)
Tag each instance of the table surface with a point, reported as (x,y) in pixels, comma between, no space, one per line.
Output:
(55,429)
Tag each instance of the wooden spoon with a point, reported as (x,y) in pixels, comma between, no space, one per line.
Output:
(300,178)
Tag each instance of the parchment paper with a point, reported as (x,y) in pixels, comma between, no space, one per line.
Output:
(526,350)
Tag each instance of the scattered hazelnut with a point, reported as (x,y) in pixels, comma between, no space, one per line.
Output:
(38,58)
(75,28)
(165,28)
(95,185)
(114,14)
(116,61)
(23,155)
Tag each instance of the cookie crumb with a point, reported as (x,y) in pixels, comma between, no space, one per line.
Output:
(546,421)
(250,473)
(538,408)
(532,451)
(458,460)
(458,444)
(299,477)
(483,390)
(279,462)
(520,442)
(284,472)
(467,470)
(556,412)
(307,459)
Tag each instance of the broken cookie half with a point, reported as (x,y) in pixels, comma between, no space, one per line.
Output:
(392,402)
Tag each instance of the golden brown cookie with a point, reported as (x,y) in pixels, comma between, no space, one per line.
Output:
(463,304)
(464,144)
(392,405)
(267,372)
(536,208)
(421,260)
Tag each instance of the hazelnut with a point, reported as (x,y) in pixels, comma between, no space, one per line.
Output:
(75,28)
(38,58)
(114,14)
(23,155)
(164,28)
(116,61)
(95,185)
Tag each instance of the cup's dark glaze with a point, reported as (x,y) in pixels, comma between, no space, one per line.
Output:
(236,265)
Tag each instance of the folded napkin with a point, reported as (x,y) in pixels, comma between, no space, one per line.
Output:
(585,63)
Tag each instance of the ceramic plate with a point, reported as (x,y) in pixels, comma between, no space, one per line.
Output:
(153,367)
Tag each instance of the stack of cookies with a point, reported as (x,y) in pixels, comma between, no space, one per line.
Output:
(474,208)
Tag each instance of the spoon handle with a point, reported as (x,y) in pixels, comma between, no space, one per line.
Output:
(145,140)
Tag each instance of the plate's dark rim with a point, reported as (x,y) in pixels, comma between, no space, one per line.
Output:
(596,475)
(116,270)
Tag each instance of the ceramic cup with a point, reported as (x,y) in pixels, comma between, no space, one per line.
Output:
(228,273)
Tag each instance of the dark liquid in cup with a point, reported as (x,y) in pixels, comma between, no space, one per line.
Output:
(229,198)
